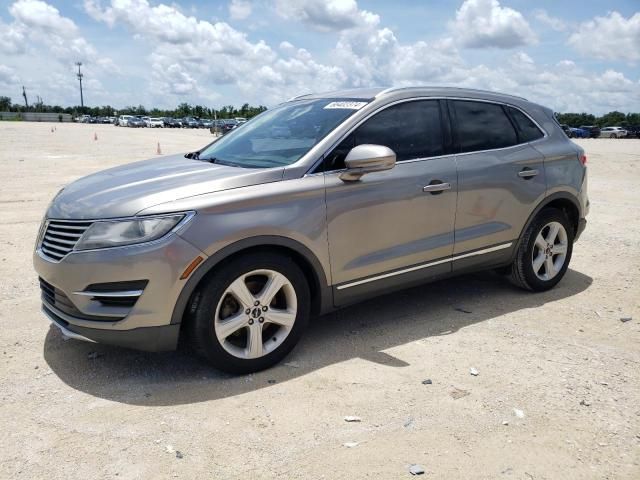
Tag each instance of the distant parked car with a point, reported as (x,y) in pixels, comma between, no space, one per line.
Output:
(633,131)
(205,123)
(105,120)
(154,122)
(135,122)
(613,132)
(224,126)
(123,120)
(579,133)
(170,122)
(189,122)
(594,131)
(241,120)
(566,129)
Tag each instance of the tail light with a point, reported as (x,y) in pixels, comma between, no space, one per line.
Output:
(583,159)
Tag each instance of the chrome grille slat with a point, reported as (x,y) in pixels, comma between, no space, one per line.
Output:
(61,236)
(51,246)
(52,231)
(61,241)
(70,226)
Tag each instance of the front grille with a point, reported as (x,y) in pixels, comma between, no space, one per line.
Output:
(61,236)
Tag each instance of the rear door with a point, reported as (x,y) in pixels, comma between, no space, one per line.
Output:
(393,227)
(501,179)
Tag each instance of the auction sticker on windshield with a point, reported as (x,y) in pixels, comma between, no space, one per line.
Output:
(346,105)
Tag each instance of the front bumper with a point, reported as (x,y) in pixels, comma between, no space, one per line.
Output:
(149,339)
(147,324)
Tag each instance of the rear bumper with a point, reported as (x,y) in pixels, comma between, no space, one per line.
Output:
(149,339)
(582,224)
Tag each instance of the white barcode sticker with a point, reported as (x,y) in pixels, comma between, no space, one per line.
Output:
(346,105)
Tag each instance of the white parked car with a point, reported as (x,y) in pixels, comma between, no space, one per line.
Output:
(613,132)
(241,120)
(123,120)
(153,122)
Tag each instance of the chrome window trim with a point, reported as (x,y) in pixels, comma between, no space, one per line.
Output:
(425,265)
(412,99)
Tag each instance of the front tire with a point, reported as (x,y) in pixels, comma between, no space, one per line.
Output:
(251,313)
(544,253)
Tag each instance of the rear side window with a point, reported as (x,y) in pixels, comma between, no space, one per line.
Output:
(483,126)
(411,129)
(527,130)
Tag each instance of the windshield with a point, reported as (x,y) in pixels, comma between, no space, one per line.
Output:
(280,136)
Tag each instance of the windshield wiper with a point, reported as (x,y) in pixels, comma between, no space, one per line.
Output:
(193,155)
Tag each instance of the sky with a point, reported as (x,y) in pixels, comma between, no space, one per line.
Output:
(568,55)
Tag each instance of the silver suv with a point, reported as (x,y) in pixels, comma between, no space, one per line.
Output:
(320,202)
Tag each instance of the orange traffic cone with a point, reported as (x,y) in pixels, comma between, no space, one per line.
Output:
(158,151)
(95,136)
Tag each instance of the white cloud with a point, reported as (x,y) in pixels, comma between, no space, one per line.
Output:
(36,14)
(240,9)
(192,57)
(554,23)
(8,76)
(612,37)
(326,15)
(484,23)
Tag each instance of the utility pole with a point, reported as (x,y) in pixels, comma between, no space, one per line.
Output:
(79,75)
(24,94)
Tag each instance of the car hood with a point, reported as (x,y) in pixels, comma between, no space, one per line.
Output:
(126,190)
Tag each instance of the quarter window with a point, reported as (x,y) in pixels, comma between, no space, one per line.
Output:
(483,126)
(527,130)
(411,129)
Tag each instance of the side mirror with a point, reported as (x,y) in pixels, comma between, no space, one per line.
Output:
(367,159)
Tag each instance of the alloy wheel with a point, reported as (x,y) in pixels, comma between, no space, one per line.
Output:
(550,251)
(255,314)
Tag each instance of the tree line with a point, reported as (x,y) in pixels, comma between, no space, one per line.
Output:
(181,111)
(611,119)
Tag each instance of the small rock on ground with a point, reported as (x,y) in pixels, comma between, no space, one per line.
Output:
(352,418)
(416,469)
(474,372)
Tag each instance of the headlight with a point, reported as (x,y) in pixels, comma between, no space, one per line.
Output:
(116,233)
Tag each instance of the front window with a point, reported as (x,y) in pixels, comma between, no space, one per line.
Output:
(280,136)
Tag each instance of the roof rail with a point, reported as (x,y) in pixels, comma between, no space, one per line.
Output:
(299,96)
(396,89)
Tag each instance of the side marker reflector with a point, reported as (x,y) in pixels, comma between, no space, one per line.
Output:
(192,266)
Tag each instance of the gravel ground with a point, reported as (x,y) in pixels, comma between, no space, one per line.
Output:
(557,394)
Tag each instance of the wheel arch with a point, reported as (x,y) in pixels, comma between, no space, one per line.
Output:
(563,201)
(321,295)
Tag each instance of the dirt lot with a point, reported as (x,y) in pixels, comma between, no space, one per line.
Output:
(563,358)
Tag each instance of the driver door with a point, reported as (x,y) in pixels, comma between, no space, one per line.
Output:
(393,228)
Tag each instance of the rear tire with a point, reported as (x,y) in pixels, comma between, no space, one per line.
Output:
(251,313)
(613,135)
(544,253)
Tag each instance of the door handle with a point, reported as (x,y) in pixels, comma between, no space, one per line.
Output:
(435,188)
(527,173)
